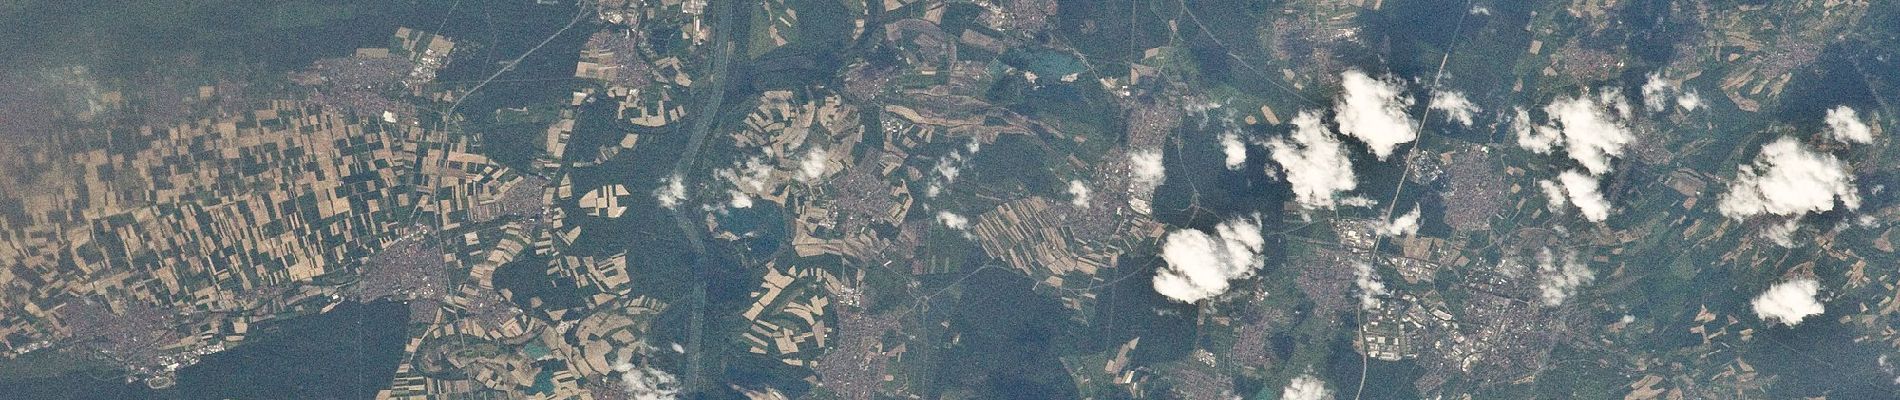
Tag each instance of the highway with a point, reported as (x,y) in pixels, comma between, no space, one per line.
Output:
(710,95)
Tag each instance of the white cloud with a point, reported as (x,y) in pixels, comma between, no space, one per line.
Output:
(1689,100)
(1480,10)
(1147,168)
(643,383)
(1788,179)
(1578,189)
(739,199)
(947,170)
(1844,125)
(1455,105)
(1583,193)
(757,177)
(1594,129)
(1789,302)
(671,192)
(1783,233)
(1404,225)
(1234,149)
(1305,387)
(1537,139)
(1656,92)
(1373,111)
(814,165)
(1868,221)
(949,167)
(1511,268)
(1078,194)
(1146,172)
(1315,162)
(1370,288)
(1553,195)
(1200,265)
(952,220)
(1558,279)
(751,176)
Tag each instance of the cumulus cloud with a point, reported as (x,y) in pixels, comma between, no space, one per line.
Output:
(1844,125)
(754,176)
(1147,168)
(1553,195)
(645,383)
(1200,265)
(1559,278)
(1455,105)
(1788,179)
(1659,93)
(952,220)
(1404,225)
(750,176)
(1511,268)
(1370,288)
(1305,387)
(1578,189)
(1373,111)
(671,192)
(739,199)
(1234,149)
(1789,302)
(1480,10)
(1689,100)
(642,382)
(814,165)
(1594,129)
(949,167)
(1146,172)
(1583,193)
(1783,233)
(1530,136)
(1656,93)
(1078,194)
(1315,162)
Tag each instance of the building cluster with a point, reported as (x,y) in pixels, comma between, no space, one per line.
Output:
(201,228)
(1767,42)
(197,215)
